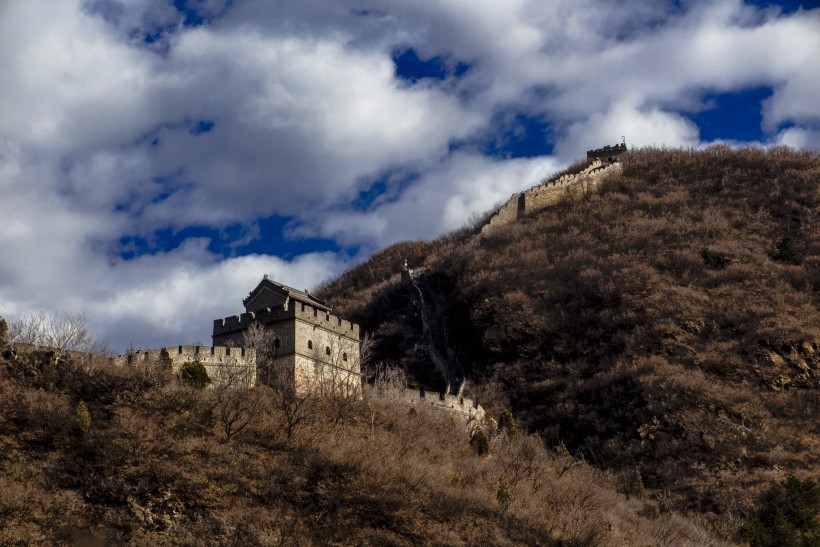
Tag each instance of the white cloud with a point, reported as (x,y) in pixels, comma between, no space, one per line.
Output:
(650,127)
(298,123)
(799,138)
(68,85)
(194,288)
(161,299)
(442,200)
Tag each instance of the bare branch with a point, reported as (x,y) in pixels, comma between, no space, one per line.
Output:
(63,331)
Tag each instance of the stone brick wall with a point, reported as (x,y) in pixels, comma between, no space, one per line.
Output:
(587,180)
(609,153)
(216,359)
(549,193)
(332,363)
(321,349)
(226,329)
(465,408)
(507,213)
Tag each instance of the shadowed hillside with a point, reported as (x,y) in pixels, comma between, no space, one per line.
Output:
(666,323)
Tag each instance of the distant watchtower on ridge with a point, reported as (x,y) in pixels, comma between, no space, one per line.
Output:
(608,154)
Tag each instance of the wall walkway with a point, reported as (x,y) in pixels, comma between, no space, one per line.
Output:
(548,193)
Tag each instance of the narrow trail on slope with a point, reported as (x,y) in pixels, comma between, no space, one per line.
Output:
(435,336)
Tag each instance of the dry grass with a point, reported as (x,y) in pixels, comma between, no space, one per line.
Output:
(159,469)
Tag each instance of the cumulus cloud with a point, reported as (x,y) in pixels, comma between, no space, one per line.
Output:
(799,138)
(647,127)
(444,199)
(164,298)
(122,118)
(193,287)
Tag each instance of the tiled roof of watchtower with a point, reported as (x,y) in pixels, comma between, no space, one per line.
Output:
(288,292)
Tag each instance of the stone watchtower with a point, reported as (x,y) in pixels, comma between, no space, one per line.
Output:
(310,347)
(608,154)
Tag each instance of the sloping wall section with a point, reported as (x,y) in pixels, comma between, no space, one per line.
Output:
(550,192)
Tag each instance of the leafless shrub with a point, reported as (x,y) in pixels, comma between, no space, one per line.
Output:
(63,331)
(238,402)
(145,375)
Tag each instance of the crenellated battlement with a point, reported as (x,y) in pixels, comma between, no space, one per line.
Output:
(552,190)
(215,359)
(291,310)
(300,333)
(608,153)
(462,406)
(181,354)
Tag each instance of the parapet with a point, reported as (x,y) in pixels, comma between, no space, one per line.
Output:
(609,152)
(507,213)
(182,354)
(326,320)
(549,192)
(462,406)
(220,362)
(235,323)
(292,310)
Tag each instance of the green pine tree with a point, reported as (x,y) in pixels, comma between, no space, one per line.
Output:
(193,373)
(82,418)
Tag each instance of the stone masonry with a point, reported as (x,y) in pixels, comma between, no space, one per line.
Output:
(219,361)
(319,351)
(604,161)
(466,409)
(315,350)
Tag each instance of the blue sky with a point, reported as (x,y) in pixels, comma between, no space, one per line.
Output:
(157,157)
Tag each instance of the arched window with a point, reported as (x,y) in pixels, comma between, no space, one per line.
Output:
(276,343)
(327,350)
(310,344)
(344,357)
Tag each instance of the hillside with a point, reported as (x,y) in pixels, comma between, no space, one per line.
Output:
(93,453)
(666,323)
(655,336)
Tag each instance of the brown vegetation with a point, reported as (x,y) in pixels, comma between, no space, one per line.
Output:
(83,460)
(664,329)
(667,323)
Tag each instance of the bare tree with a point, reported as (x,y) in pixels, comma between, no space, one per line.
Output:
(338,366)
(62,331)
(257,337)
(4,333)
(27,330)
(389,381)
(294,407)
(336,377)
(237,400)
(146,374)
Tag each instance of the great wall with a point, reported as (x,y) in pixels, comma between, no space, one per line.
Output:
(434,332)
(456,405)
(603,161)
(217,360)
(302,308)
(293,310)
